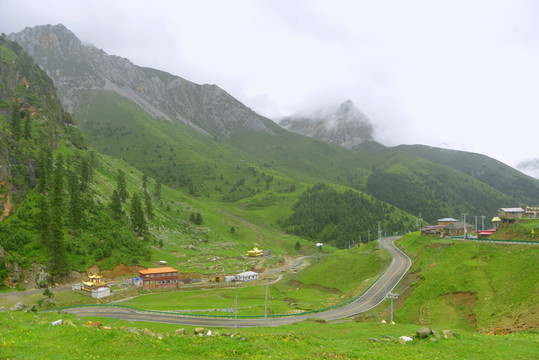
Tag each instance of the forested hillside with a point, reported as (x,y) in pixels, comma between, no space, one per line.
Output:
(324,214)
(52,214)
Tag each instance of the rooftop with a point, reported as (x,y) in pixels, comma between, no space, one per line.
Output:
(157,270)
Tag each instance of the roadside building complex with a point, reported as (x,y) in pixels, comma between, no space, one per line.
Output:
(159,278)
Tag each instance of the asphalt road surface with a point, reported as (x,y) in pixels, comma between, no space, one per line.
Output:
(371,298)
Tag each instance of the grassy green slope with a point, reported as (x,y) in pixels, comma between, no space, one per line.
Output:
(27,336)
(183,157)
(476,286)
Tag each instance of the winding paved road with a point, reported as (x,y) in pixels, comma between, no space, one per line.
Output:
(371,298)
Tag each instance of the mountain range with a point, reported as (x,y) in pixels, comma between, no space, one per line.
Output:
(189,135)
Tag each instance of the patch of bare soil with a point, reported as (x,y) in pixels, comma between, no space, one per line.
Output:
(464,303)
(119,271)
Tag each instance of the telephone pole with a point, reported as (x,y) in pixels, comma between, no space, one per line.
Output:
(482,222)
(475,223)
(266,306)
(464,215)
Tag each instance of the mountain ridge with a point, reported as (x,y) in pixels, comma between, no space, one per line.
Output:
(344,125)
(80,67)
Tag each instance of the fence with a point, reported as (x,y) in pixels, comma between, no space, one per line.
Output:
(497,241)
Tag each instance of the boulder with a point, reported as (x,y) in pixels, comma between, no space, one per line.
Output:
(423,332)
(147,332)
(436,334)
(405,339)
(448,334)
(374,339)
(2,309)
(18,307)
(133,330)
(41,279)
(180,331)
(198,330)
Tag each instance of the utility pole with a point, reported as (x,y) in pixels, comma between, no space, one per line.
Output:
(482,222)
(236,308)
(266,307)
(112,315)
(464,215)
(475,223)
(392,296)
(369,235)
(379,234)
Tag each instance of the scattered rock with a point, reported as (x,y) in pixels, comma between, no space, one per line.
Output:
(19,306)
(57,322)
(436,334)
(423,332)
(97,324)
(209,333)
(147,332)
(405,339)
(198,330)
(180,331)
(2,309)
(133,330)
(68,322)
(433,339)
(383,321)
(388,337)
(448,334)
(159,336)
(107,328)
(374,340)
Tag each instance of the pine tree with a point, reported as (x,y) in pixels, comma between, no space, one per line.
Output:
(158,189)
(116,205)
(75,202)
(16,120)
(27,131)
(44,221)
(122,189)
(85,173)
(144,182)
(56,246)
(148,205)
(137,215)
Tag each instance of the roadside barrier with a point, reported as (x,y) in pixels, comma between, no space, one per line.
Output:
(497,241)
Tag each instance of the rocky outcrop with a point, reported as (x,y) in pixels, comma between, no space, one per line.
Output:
(345,126)
(78,69)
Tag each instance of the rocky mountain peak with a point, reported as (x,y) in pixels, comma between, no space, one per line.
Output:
(343,125)
(78,69)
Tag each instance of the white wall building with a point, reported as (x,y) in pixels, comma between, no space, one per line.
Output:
(247,276)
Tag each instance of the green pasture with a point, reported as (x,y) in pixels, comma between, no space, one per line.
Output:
(30,336)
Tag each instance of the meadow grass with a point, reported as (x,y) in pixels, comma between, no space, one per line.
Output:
(31,336)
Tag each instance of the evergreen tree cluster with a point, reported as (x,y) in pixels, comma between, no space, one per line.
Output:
(323,214)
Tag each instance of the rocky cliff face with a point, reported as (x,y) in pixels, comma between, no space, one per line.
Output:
(77,68)
(345,126)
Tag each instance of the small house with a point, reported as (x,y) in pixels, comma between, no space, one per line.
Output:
(513,213)
(457,229)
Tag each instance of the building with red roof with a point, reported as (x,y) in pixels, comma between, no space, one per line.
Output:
(159,278)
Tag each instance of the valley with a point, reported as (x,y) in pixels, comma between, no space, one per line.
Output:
(148,169)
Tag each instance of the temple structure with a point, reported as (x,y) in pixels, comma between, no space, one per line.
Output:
(254,252)
(96,286)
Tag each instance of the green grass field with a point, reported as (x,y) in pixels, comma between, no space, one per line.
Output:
(30,336)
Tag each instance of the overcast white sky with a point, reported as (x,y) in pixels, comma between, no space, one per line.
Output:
(456,74)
